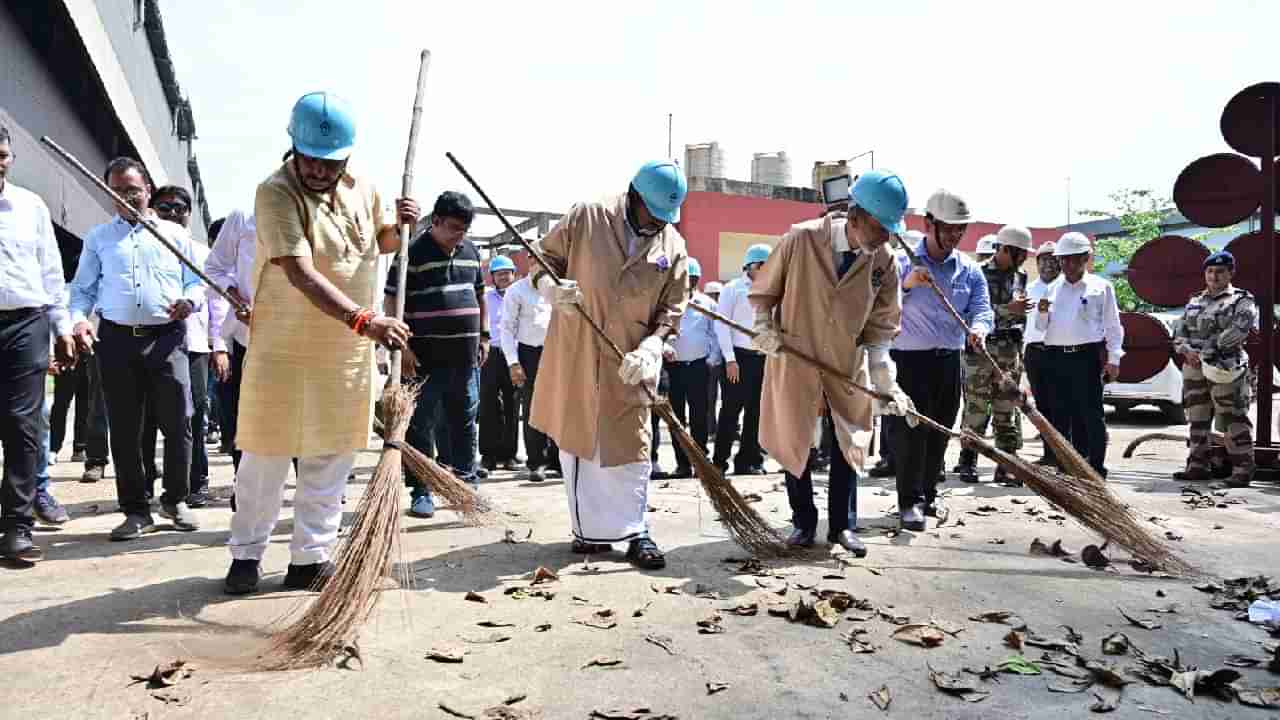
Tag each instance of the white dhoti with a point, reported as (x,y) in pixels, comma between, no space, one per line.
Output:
(606,505)
(317,505)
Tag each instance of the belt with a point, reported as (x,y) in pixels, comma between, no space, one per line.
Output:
(686,363)
(18,313)
(143,330)
(936,352)
(528,346)
(746,351)
(1067,349)
(1038,345)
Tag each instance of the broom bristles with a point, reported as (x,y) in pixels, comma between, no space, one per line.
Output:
(457,495)
(1091,504)
(329,625)
(1070,459)
(746,527)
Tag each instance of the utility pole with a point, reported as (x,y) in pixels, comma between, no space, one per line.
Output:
(1068,201)
(669,155)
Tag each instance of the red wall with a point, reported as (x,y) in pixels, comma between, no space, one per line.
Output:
(707,214)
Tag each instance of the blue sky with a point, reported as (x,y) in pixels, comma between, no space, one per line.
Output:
(550,103)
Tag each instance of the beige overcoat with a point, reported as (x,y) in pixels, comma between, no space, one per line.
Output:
(831,321)
(307,376)
(579,400)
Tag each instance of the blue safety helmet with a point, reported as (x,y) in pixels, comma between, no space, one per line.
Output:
(500,263)
(695,269)
(662,186)
(756,254)
(1222,258)
(882,194)
(323,126)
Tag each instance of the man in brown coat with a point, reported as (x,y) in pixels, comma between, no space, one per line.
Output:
(831,289)
(624,264)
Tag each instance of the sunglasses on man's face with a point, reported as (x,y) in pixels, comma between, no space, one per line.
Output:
(173,208)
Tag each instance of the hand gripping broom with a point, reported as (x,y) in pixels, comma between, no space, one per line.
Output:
(1068,457)
(745,525)
(1089,502)
(329,625)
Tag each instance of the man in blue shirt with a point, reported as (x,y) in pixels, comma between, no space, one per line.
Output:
(143,294)
(693,353)
(927,351)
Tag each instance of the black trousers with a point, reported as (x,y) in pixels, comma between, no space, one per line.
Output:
(1076,400)
(715,376)
(540,450)
(68,387)
(229,401)
(688,396)
(887,428)
(1035,360)
(742,397)
(97,449)
(931,378)
(24,360)
(140,372)
(499,410)
(842,496)
(198,370)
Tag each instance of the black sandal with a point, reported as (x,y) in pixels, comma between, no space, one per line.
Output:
(644,554)
(585,548)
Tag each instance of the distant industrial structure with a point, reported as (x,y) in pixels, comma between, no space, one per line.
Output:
(96,76)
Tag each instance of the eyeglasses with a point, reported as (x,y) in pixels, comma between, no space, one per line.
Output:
(173,208)
(134,192)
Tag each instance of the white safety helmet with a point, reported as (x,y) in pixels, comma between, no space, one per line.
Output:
(713,288)
(948,207)
(1047,248)
(987,245)
(1073,243)
(1014,236)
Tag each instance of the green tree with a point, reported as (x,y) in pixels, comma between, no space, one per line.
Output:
(1139,212)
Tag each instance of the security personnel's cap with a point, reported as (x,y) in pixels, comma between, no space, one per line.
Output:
(1222,258)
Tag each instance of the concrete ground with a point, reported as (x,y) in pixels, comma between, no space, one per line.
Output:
(76,627)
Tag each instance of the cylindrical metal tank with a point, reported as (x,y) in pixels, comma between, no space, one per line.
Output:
(704,160)
(771,168)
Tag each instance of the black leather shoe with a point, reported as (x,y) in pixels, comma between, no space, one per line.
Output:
(644,554)
(801,538)
(17,545)
(882,469)
(913,519)
(750,470)
(847,540)
(658,474)
(536,475)
(937,510)
(308,577)
(1002,477)
(242,578)
(198,498)
(682,471)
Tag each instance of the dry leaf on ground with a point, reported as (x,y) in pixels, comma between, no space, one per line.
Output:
(164,676)
(662,641)
(640,611)
(542,627)
(1070,685)
(715,687)
(881,697)
(745,609)
(495,624)
(926,636)
(710,625)
(446,653)
(1013,639)
(1094,557)
(485,638)
(1104,704)
(1139,622)
(603,619)
(1115,644)
(1259,697)
(1003,617)
(604,661)
(543,574)
(957,685)
(857,643)
(639,713)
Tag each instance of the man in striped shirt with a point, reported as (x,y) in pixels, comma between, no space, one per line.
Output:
(448,341)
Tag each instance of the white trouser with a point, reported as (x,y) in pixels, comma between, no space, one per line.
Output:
(317,505)
(606,505)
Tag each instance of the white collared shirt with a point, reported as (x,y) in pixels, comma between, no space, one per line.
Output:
(1036,289)
(31,273)
(735,306)
(230,264)
(697,339)
(1082,313)
(197,323)
(525,317)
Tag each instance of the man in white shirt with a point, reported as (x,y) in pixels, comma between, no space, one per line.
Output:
(1033,353)
(499,434)
(522,332)
(1082,337)
(230,264)
(716,376)
(743,372)
(693,353)
(31,308)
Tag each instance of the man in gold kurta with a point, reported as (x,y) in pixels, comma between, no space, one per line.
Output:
(308,372)
(830,290)
(624,264)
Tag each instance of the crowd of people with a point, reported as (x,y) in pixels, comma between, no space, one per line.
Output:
(280,372)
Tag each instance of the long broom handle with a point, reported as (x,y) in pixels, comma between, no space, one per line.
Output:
(825,368)
(406,190)
(542,261)
(147,223)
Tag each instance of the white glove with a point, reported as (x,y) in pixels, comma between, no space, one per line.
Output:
(767,340)
(644,364)
(884,378)
(563,295)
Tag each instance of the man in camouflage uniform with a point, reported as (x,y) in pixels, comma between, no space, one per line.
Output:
(1215,372)
(983,401)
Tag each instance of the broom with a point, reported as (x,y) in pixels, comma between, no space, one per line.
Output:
(1068,457)
(329,624)
(1089,501)
(745,525)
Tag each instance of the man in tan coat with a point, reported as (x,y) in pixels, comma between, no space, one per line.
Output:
(830,290)
(624,264)
(308,372)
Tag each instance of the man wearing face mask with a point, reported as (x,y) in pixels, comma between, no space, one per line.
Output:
(1033,354)
(308,370)
(927,351)
(623,262)
(831,288)
(1083,338)
(143,294)
(1215,371)
(984,400)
